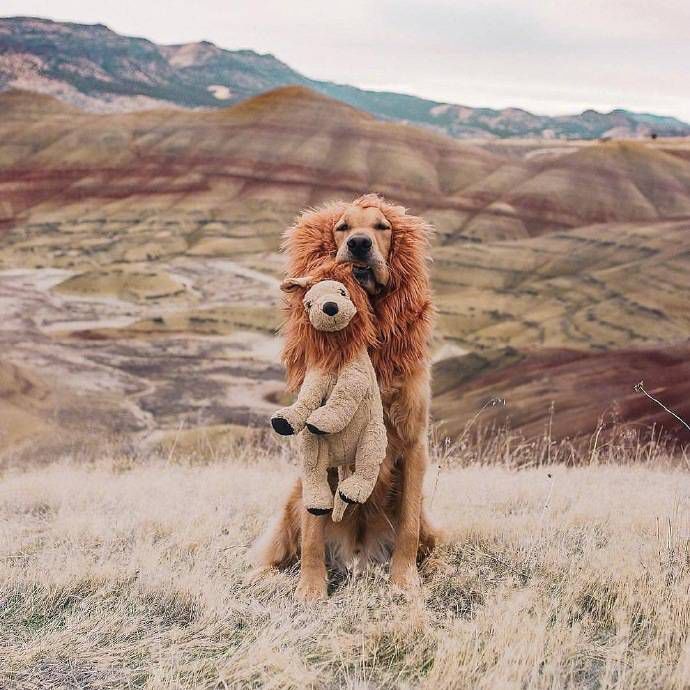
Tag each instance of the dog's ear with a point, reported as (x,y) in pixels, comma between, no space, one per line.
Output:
(292,284)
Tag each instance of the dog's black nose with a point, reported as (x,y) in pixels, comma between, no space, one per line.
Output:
(330,308)
(359,245)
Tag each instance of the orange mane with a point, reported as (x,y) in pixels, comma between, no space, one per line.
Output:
(306,347)
(398,338)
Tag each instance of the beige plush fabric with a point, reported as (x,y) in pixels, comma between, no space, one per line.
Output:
(342,413)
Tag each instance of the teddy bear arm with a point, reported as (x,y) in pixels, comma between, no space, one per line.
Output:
(310,396)
(349,391)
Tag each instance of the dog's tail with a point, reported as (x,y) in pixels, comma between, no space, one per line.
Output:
(278,546)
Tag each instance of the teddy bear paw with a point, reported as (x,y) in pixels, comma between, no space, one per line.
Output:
(319,511)
(282,426)
(321,421)
(353,490)
(320,501)
(347,499)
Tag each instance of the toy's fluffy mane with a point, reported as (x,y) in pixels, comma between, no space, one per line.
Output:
(398,338)
(307,347)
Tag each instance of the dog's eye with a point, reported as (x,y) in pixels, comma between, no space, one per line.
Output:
(342,227)
(343,293)
(382,226)
(307,305)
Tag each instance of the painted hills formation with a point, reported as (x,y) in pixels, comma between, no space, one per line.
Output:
(139,264)
(95,68)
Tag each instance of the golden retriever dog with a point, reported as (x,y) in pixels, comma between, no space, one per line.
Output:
(386,251)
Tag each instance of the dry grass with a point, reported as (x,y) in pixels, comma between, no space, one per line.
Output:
(121,572)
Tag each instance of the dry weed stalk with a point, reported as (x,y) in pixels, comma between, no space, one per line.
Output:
(449,448)
(639,388)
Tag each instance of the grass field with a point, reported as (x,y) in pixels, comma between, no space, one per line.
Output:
(122,572)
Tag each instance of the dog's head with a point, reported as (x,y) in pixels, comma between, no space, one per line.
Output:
(327,302)
(379,240)
(363,237)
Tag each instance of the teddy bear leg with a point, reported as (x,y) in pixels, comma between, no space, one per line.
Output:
(339,505)
(370,453)
(357,488)
(316,493)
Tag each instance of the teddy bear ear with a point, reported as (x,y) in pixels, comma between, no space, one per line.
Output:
(292,284)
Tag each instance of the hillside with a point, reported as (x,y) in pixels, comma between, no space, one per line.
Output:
(290,146)
(97,69)
(139,264)
(295,147)
(596,287)
(587,389)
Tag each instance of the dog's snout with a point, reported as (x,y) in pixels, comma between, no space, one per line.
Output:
(359,245)
(330,308)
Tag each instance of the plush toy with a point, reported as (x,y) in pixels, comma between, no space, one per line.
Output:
(341,410)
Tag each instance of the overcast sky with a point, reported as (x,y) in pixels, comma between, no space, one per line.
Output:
(548,57)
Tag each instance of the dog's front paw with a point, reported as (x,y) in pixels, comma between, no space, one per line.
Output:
(405,577)
(311,588)
(315,430)
(282,426)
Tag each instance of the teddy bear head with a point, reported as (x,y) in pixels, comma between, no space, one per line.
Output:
(327,302)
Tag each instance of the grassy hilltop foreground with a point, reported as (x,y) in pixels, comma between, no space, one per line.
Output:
(123,571)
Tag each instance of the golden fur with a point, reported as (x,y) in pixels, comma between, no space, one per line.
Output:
(393,518)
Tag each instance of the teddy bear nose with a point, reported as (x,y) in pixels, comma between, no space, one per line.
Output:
(330,308)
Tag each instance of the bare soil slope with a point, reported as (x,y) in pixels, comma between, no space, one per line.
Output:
(139,253)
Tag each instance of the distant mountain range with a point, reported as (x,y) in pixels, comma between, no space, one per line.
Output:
(96,69)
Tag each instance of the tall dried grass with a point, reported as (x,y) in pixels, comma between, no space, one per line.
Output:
(122,571)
